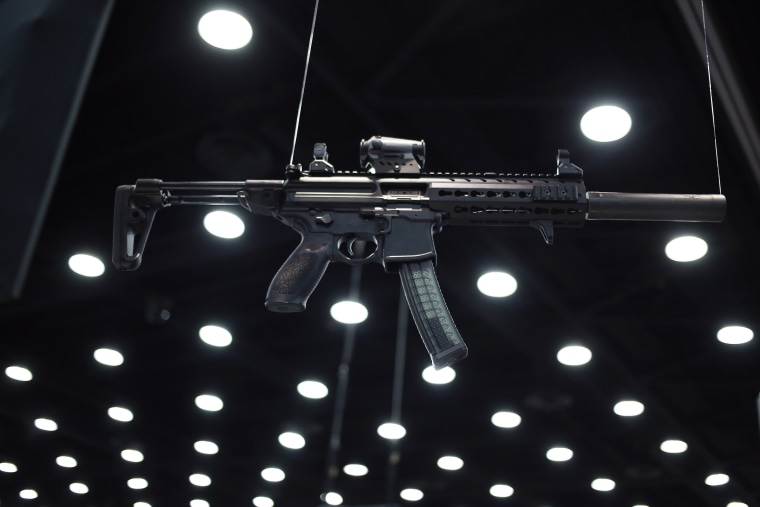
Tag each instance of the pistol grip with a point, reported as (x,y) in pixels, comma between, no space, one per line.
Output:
(430,313)
(300,274)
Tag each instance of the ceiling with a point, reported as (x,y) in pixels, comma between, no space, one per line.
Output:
(490,86)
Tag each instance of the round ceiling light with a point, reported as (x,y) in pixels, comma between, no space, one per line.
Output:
(225,29)
(605,124)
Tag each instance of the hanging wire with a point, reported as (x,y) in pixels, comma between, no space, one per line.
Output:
(303,84)
(712,104)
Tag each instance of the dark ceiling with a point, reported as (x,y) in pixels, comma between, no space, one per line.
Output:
(488,85)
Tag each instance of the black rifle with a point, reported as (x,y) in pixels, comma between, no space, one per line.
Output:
(388,213)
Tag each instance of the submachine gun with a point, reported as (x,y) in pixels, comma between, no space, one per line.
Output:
(387,213)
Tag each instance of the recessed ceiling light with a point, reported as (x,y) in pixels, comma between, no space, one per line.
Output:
(497,284)
(28,494)
(686,249)
(273,474)
(132,455)
(391,431)
(201,480)
(66,461)
(673,446)
(506,419)
(716,480)
(263,501)
(629,408)
(137,483)
(206,447)
(735,335)
(108,357)
(737,504)
(333,498)
(574,355)
(209,402)
(603,484)
(215,335)
(146,504)
(312,389)
(411,495)
(225,29)
(501,490)
(450,462)
(197,502)
(355,470)
(120,414)
(86,265)
(605,124)
(8,468)
(349,312)
(291,440)
(224,224)
(45,424)
(78,488)
(18,373)
(559,454)
(442,376)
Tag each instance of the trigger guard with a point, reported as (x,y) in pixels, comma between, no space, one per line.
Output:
(345,248)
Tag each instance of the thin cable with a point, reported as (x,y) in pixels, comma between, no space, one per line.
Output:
(712,104)
(303,84)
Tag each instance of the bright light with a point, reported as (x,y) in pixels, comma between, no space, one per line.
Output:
(291,440)
(78,488)
(263,501)
(673,446)
(603,484)
(686,249)
(391,431)
(108,357)
(629,408)
(224,224)
(501,491)
(716,480)
(497,284)
(45,424)
(411,495)
(355,470)
(272,474)
(333,498)
(574,355)
(737,504)
(137,483)
(201,480)
(199,503)
(312,389)
(132,455)
(349,312)
(120,414)
(606,124)
(735,335)
(146,504)
(209,402)
(8,468)
(506,419)
(225,29)
(206,447)
(559,454)
(442,376)
(66,461)
(215,335)
(28,494)
(450,463)
(86,265)
(18,373)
